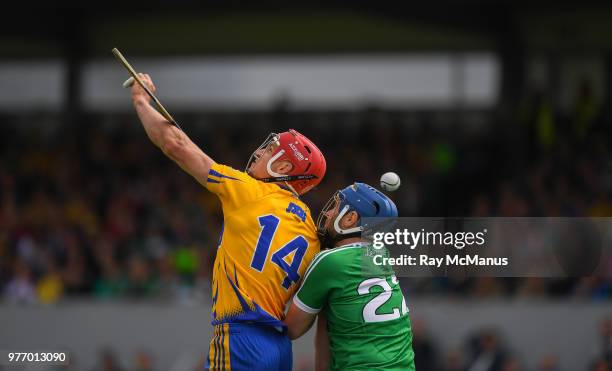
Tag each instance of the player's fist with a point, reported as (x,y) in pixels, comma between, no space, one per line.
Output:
(138,93)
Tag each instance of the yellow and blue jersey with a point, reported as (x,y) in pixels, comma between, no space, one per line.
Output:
(268,241)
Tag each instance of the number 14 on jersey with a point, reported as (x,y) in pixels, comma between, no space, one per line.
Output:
(269,225)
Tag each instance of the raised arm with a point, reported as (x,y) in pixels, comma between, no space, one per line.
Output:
(171,140)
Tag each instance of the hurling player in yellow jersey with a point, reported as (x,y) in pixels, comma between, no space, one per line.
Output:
(269,237)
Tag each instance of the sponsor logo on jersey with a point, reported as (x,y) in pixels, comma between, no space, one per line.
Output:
(295,209)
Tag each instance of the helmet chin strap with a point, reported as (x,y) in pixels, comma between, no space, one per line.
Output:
(278,177)
(341,231)
(271,161)
(330,240)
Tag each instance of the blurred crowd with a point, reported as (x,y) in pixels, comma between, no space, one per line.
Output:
(96,210)
(484,350)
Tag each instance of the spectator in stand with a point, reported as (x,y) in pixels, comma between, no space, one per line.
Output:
(549,363)
(20,289)
(487,353)
(107,361)
(425,353)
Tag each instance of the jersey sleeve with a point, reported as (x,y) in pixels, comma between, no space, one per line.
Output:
(233,187)
(318,280)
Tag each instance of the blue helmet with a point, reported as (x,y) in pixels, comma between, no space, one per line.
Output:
(366,200)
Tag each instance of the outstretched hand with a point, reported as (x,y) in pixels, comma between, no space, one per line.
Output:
(138,93)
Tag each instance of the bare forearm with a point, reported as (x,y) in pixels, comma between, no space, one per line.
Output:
(158,129)
(170,139)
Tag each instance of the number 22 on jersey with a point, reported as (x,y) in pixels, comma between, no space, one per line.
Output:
(369,310)
(269,225)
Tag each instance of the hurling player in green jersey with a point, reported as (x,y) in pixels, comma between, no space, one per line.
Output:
(363,319)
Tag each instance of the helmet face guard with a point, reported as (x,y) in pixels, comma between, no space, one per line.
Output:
(337,200)
(271,141)
(324,214)
(328,239)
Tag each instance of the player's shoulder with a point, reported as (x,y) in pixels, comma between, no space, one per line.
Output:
(327,259)
(288,199)
(296,206)
(239,179)
(219,173)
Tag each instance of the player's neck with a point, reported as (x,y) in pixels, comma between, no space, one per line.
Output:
(349,241)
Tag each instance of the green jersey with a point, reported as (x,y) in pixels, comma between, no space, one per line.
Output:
(367,317)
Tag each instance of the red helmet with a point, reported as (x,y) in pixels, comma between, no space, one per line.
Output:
(307,160)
